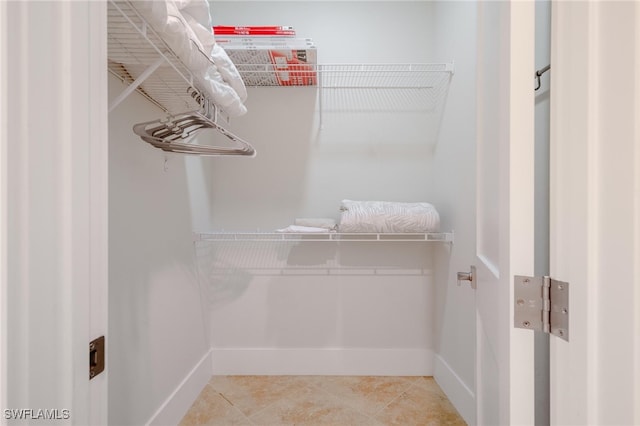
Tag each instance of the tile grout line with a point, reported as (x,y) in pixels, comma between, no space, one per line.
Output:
(410,384)
(349,403)
(234,407)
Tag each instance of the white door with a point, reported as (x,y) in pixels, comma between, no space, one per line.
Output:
(504,204)
(53,217)
(595,210)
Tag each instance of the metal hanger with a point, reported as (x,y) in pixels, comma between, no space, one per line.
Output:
(174,134)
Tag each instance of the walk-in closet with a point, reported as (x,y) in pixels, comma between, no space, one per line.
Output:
(204,277)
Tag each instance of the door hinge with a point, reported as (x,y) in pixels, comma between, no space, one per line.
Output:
(96,357)
(542,304)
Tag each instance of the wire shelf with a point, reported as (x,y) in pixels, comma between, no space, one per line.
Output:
(381,76)
(142,59)
(349,76)
(363,88)
(139,57)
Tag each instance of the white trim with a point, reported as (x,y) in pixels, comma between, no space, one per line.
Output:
(98,157)
(460,395)
(323,361)
(181,399)
(3,211)
(636,227)
(518,402)
(594,210)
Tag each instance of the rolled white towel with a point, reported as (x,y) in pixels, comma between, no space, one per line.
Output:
(387,216)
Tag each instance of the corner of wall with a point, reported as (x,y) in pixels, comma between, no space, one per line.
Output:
(460,395)
(181,399)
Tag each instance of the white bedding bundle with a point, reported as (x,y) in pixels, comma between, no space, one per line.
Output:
(186,26)
(388,217)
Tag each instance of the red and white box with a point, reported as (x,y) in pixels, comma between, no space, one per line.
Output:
(254,30)
(276,67)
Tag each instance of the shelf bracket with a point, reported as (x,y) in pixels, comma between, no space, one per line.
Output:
(137,82)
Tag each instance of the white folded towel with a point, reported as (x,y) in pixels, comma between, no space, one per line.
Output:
(302,229)
(325,223)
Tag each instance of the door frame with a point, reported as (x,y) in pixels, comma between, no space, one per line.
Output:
(54,207)
(4,282)
(595,210)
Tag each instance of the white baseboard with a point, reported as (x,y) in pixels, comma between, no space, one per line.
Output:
(179,402)
(460,395)
(323,361)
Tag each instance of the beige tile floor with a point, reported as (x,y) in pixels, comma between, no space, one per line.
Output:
(321,400)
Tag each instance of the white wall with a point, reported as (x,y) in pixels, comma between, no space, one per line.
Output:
(268,315)
(157,329)
(320,308)
(302,170)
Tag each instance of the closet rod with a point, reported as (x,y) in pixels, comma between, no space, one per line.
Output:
(539,74)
